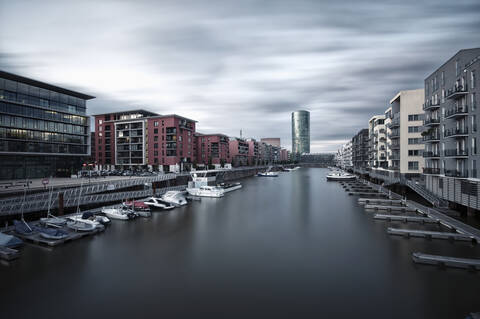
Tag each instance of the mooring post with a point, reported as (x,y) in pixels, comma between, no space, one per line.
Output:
(60,204)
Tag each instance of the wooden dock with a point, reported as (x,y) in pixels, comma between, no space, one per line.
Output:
(72,235)
(9,253)
(391,208)
(444,261)
(391,202)
(406,219)
(430,234)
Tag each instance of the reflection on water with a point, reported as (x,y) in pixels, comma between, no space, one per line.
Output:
(292,246)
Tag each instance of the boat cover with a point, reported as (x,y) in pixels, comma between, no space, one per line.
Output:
(9,241)
(22,228)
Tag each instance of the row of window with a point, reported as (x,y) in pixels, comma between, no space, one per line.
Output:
(433,85)
(33,147)
(27,123)
(41,114)
(414,117)
(29,135)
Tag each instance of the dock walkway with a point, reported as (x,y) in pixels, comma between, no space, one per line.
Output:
(468,263)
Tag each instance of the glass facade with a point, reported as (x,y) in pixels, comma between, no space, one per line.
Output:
(300,132)
(44,130)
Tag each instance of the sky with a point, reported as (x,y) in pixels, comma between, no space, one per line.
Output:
(239,65)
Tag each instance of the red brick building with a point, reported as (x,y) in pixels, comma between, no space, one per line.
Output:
(238,149)
(212,149)
(253,152)
(141,139)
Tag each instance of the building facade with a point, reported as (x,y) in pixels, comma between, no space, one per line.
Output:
(300,132)
(377,142)
(140,139)
(253,151)
(360,151)
(211,149)
(275,141)
(238,151)
(451,113)
(44,129)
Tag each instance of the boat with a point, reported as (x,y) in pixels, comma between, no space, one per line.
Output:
(50,233)
(119,213)
(206,191)
(156,202)
(229,187)
(90,218)
(80,225)
(10,241)
(176,198)
(137,205)
(52,220)
(340,176)
(267,174)
(23,228)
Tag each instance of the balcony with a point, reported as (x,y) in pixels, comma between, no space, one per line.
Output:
(382,139)
(394,146)
(456,153)
(457,91)
(382,158)
(456,112)
(431,105)
(430,154)
(394,123)
(456,132)
(394,168)
(456,173)
(394,157)
(431,171)
(431,122)
(431,138)
(394,135)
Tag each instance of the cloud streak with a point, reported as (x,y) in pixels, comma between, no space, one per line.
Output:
(235,65)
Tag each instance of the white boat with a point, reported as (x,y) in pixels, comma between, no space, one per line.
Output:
(206,191)
(118,213)
(80,226)
(52,220)
(339,176)
(229,187)
(176,198)
(267,174)
(155,202)
(99,223)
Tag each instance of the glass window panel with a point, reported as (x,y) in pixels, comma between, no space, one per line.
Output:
(33,91)
(11,85)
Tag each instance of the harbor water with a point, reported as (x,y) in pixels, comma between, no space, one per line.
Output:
(295,246)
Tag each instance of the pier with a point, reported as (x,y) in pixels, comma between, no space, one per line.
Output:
(430,234)
(391,208)
(380,201)
(444,261)
(406,219)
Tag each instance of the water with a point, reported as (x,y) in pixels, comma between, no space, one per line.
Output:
(288,247)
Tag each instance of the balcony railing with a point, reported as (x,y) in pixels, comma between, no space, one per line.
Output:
(431,138)
(431,105)
(394,157)
(456,153)
(430,170)
(457,173)
(394,123)
(394,135)
(430,154)
(394,146)
(431,122)
(457,91)
(458,132)
(456,112)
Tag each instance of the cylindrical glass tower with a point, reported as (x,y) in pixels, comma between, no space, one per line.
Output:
(300,132)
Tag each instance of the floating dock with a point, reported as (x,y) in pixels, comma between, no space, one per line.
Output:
(365,194)
(406,219)
(431,234)
(391,208)
(72,235)
(445,261)
(391,202)
(9,253)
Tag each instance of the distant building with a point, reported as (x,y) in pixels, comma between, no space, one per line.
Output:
(344,156)
(275,141)
(211,149)
(44,129)
(360,151)
(327,159)
(238,151)
(377,149)
(300,132)
(140,139)
(283,155)
(253,151)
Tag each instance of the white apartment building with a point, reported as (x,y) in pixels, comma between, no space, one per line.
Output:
(344,156)
(378,142)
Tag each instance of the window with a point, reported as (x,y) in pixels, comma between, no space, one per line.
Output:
(100,122)
(155,131)
(443,78)
(155,123)
(472,79)
(413,129)
(413,152)
(155,145)
(457,68)
(155,153)
(473,101)
(100,128)
(413,141)
(413,117)
(155,138)
(474,146)
(474,123)
(413,165)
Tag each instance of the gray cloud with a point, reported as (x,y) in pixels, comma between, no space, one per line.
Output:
(235,65)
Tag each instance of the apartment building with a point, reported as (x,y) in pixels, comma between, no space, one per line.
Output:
(238,151)
(253,152)
(360,151)
(140,139)
(451,113)
(377,142)
(211,149)
(344,156)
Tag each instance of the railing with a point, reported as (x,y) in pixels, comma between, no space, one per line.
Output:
(457,173)
(455,152)
(431,137)
(456,91)
(429,105)
(394,135)
(431,154)
(431,121)
(456,111)
(394,123)
(456,131)
(394,146)
(432,170)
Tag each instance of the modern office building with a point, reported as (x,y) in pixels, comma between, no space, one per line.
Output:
(377,156)
(360,151)
(300,132)
(275,141)
(140,139)
(451,137)
(44,129)
(211,149)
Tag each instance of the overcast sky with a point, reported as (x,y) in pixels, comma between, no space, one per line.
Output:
(235,65)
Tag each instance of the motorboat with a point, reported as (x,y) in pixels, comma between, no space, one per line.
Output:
(340,176)
(176,198)
(10,241)
(156,202)
(229,187)
(119,213)
(206,191)
(77,225)
(51,233)
(289,169)
(90,218)
(267,174)
(136,205)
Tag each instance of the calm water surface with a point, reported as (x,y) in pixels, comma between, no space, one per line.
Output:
(287,247)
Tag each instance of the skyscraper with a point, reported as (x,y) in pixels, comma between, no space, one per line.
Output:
(300,132)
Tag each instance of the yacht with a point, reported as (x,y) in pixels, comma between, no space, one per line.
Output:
(118,213)
(206,191)
(156,202)
(267,174)
(229,187)
(340,176)
(176,198)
